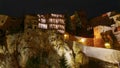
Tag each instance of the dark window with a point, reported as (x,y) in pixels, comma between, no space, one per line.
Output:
(2,21)
(35,22)
(27,33)
(118,18)
(29,27)
(35,27)
(115,30)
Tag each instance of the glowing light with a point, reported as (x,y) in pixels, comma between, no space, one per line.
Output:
(82,40)
(107,45)
(66,36)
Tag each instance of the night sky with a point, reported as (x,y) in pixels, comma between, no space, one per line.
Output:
(92,7)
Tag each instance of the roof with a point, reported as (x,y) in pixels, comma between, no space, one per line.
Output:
(101,20)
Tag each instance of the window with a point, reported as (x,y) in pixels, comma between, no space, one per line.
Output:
(57,15)
(43,26)
(29,26)
(62,21)
(54,26)
(43,20)
(39,19)
(50,20)
(56,20)
(61,31)
(40,16)
(61,27)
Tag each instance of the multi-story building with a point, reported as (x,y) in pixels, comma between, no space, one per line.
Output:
(116,17)
(106,30)
(52,22)
(30,22)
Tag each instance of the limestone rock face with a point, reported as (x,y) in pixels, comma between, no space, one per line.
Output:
(25,47)
(39,49)
(2,61)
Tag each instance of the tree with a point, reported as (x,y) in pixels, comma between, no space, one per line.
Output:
(78,23)
(68,26)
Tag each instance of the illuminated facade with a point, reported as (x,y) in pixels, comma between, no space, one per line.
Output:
(52,21)
(105,36)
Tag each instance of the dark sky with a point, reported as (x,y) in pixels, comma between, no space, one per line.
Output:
(92,7)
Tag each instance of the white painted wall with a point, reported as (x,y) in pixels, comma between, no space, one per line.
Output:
(108,55)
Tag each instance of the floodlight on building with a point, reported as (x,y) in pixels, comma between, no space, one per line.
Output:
(82,40)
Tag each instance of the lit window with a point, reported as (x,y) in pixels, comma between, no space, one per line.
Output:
(50,20)
(43,26)
(61,21)
(61,27)
(42,16)
(38,19)
(53,26)
(38,15)
(54,15)
(57,15)
(61,31)
(43,20)
(56,27)
(57,21)
(53,21)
